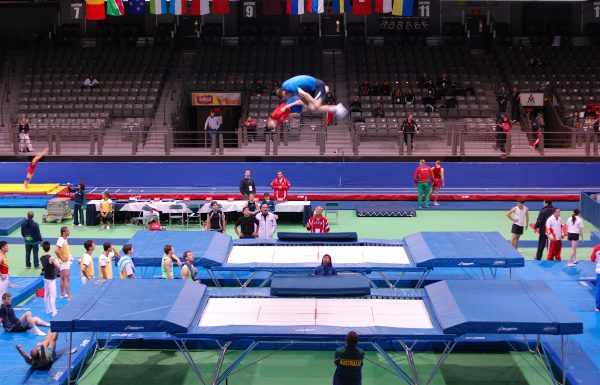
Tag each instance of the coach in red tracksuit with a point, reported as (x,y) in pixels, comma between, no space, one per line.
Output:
(280,187)
(554,233)
(318,223)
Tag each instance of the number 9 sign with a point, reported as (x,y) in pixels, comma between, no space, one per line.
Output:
(249,9)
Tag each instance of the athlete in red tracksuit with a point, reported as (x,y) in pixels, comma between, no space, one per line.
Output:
(280,187)
(318,223)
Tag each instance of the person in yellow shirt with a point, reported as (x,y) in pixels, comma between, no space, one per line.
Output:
(86,264)
(63,253)
(106,211)
(105,260)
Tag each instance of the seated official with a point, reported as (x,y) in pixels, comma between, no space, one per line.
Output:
(318,223)
(326,267)
(41,358)
(349,361)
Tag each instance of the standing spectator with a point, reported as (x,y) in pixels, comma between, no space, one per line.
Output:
(409,97)
(502,99)
(50,266)
(30,231)
(326,266)
(268,222)
(519,216)
(378,111)
(318,223)
(106,211)
(125,265)
(355,104)
(408,129)
(212,124)
(86,263)
(349,361)
(364,89)
(574,234)
(280,187)
(250,226)
(250,125)
(397,97)
(167,262)
(188,270)
(4,276)
(515,104)
(422,179)
(386,88)
(79,203)
(540,226)
(538,126)
(554,234)
(63,253)
(444,84)
(91,82)
(247,185)
(216,219)
(503,129)
(24,141)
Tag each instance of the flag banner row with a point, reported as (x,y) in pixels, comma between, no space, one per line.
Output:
(98,10)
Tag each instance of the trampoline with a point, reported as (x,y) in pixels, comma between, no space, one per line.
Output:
(445,312)
(418,253)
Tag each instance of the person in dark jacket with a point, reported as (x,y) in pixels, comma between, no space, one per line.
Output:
(247,185)
(30,231)
(540,225)
(326,267)
(79,203)
(349,361)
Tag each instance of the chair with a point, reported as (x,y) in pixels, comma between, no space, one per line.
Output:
(145,217)
(195,216)
(176,213)
(332,208)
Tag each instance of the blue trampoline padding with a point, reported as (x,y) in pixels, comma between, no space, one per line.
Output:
(144,305)
(318,285)
(8,225)
(24,202)
(385,209)
(210,248)
(500,307)
(322,237)
(595,237)
(461,249)
(25,287)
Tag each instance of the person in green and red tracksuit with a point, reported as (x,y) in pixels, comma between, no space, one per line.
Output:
(422,180)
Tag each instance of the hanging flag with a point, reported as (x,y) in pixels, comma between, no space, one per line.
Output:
(362,7)
(178,7)
(383,6)
(221,7)
(94,10)
(403,8)
(295,7)
(341,6)
(199,7)
(272,7)
(115,8)
(158,7)
(315,6)
(135,7)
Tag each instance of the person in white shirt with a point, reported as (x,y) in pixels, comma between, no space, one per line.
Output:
(91,82)
(554,232)
(86,264)
(519,216)
(212,124)
(63,253)
(268,222)
(574,234)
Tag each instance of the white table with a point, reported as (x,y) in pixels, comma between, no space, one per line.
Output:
(163,207)
(238,206)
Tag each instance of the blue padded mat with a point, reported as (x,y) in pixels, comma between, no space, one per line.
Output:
(315,285)
(209,248)
(556,271)
(461,249)
(25,287)
(8,225)
(24,202)
(388,209)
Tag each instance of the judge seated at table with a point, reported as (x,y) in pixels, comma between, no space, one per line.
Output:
(326,267)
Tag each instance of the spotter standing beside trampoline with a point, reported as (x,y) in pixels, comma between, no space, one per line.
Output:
(349,361)
(32,165)
(422,180)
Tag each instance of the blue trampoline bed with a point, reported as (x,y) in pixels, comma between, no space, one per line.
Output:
(445,312)
(417,253)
